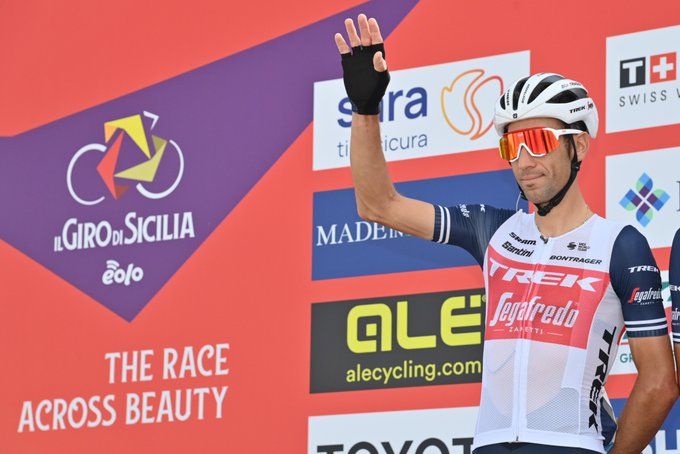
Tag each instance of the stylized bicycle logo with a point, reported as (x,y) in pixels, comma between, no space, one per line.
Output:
(141,173)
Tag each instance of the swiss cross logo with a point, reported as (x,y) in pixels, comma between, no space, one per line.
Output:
(660,67)
(546,303)
(663,67)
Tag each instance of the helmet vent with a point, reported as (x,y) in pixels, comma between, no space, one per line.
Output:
(568,96)
(542,85)
(517,91)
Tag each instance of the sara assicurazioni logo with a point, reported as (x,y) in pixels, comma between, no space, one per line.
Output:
(397,341)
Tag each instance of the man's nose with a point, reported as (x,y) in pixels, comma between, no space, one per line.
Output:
(525,160)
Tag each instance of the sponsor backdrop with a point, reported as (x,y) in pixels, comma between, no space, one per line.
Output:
(182,268)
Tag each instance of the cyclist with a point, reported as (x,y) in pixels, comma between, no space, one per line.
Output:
(561,283)
(674,285)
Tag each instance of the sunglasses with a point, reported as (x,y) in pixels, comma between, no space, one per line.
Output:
(537,141)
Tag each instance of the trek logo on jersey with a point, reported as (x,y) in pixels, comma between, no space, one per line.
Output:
(426,111)
(600,377)
(529,276)
(637,269)
(554,304)
(649,296)
(643,89)
(674,288)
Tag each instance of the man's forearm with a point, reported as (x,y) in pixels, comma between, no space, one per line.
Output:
(373,186)
(642,416)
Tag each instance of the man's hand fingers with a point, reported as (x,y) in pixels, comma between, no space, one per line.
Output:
(379,63)
(342,45)
(352,33)
(374,30)
(363,29)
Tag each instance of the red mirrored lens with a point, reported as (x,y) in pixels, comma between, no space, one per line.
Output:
(540,141)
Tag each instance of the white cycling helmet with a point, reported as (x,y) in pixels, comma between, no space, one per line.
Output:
(547,95)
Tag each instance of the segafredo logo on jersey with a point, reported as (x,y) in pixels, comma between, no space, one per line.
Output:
(555,304)
(436,431)
(644,297)
(508,312)
(643,89)
(624,358)
(426,111)
(643,189)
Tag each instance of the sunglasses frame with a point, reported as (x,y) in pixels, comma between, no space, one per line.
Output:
(556,132)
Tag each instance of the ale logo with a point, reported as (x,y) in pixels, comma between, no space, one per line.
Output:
(461,99)
(129,158)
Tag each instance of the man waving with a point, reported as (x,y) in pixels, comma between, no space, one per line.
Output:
(561,283)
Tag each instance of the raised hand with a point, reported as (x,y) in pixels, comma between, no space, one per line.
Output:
(364,67)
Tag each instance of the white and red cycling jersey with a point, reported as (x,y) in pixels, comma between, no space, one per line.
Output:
(555,311)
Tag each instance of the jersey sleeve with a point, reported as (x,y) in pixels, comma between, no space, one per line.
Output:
(637,282)
(674,286)
(468,226)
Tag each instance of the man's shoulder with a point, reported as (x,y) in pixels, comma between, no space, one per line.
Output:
(614,228)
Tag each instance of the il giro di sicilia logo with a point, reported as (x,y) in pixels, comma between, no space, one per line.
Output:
(118,251)
(128,159)
(117,180)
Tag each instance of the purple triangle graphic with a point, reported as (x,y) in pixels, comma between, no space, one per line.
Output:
(231,120)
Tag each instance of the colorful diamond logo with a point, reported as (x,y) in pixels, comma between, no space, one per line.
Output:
(643,199)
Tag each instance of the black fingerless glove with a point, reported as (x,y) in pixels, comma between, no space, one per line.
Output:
(365,86)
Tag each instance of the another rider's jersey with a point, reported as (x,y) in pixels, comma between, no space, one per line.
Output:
(674,286)
(556,309)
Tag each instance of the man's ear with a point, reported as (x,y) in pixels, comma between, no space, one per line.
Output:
(582,142)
